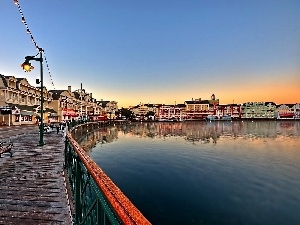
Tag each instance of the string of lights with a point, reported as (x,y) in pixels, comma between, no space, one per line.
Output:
(32,39)
(48,70)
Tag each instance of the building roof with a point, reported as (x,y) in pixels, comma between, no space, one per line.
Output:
(272,103)
(193,102)
(56,93)
(102,103)
(288,105)
(23,107)
(3,80)
(77,95)
(149,105)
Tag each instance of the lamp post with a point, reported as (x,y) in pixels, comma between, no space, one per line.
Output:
(27,67)
(66,104)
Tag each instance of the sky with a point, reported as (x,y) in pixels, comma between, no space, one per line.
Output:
(155,51)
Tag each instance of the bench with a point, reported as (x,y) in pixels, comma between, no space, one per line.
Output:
(5,149)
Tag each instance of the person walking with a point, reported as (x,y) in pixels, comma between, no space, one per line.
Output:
(57,129)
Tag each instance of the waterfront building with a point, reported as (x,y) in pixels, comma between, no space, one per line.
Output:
(77,104)
(288,111)
(109,108)
(171,112)
(141,111)
(232,110)
(63,104)
(259,110)
(85,105)
(296,109)
(236,111)
(135,111)
(24,101)
(199,109)
(151,109)
(20,103)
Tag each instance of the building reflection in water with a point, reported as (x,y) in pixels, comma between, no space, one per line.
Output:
(197,131)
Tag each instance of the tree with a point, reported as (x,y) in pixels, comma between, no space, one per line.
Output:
(150,115)
(118,113)
(127,113)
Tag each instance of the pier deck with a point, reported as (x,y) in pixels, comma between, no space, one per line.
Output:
(32,182)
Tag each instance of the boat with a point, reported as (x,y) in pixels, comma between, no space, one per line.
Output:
(226,117)
(216,118)
(211,118)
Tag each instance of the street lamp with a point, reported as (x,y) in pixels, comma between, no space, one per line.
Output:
(27,67)
(65,104)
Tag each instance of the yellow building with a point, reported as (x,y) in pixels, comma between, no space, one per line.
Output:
(24,101)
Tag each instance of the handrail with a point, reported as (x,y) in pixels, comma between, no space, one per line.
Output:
(121,206)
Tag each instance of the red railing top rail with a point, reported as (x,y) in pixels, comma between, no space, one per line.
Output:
(126,211)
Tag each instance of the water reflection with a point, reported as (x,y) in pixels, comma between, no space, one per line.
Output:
(195,132)
(215,173)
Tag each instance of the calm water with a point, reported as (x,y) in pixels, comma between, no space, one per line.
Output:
(205,173)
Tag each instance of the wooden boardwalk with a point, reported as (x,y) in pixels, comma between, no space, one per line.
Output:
(32,182)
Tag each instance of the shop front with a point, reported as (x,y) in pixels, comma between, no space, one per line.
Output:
(53,118)
(5,115)
(25,117)
(69,114)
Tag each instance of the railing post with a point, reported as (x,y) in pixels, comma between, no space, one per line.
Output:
(66,154)
(78,211)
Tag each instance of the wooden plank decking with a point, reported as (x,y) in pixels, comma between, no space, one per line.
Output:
(32,182)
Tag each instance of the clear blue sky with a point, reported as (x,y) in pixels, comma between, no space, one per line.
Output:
(159,51)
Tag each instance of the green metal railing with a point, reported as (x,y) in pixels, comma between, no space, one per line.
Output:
(97,200)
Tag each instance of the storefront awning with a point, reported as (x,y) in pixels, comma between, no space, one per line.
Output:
(16,108)
(26,113)
(52,111)
(5,110)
